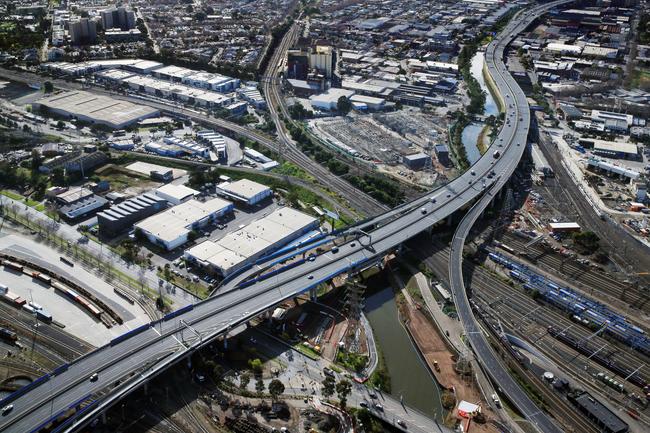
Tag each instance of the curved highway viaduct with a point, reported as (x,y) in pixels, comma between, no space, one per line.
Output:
(147,351)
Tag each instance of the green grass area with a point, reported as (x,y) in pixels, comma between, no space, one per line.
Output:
(40,207)
(31,203)
(7,26)
(291,169)
(308,352)
(641,79)
(12,195)
(120,180)
(352,361)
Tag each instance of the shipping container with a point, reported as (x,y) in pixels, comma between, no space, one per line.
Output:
(13,265)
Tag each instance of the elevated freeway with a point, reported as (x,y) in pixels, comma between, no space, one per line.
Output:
(516,102)
(137,356)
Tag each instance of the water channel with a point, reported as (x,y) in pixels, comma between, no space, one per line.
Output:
(409,376)
(472,132)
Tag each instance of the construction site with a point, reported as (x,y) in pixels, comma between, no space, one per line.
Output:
(401,143)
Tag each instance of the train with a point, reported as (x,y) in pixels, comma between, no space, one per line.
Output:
(584,348)
(12,265)
(76,297)
(8,335)
(42,277)
(583,310)
(37,310)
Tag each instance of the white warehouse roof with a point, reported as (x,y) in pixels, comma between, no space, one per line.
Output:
(174,222)
(97,108)
(250,241)
(244,188)
(176,192)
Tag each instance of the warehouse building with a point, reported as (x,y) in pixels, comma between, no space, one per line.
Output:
(417,161)
(607,420)
(244,246)
(77,209)
(121,217)
(171,228)
(245,191)
(611,149)
(176,194)
(442,153)
(93,108)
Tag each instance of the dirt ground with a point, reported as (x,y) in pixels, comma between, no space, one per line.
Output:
(433,348)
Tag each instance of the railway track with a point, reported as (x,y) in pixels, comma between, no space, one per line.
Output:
(520,305)
(573,421)
(286,146)
(593,282)
(46,335)
(517,306)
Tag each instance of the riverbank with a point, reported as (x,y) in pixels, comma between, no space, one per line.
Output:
(483,141)
(439,357)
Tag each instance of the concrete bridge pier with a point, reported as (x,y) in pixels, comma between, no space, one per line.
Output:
(313,294)
(103,418)
(146,388)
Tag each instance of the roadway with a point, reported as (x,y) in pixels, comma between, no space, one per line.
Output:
(515,99)
(169,341)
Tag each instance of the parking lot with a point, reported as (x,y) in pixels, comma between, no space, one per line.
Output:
(241,217)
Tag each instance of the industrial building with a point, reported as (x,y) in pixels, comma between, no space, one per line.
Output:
(599,413)
(328,100)
(442,153)
(200,79)
(97,109)
(239,248)
(121,217)
(176,194)
(417,161)
(622,172)
(171,228)
(611,149)
(568,227)
(216,141)
(245,191)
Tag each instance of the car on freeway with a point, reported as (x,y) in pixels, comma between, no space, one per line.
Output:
(94,377)
(401,423)
(310,277)
(372,394)
(379,407)
(7,409)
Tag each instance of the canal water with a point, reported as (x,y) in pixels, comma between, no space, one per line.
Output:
(472,131)
(409,376)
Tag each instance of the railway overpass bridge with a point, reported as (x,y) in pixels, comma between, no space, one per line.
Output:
(130,361)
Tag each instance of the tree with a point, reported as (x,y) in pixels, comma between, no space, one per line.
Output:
(48,87)
(343,390)
(259,386)
(217,372)
(244,380)
(189,9)
(328,387)
(276,388)
(588,242)
(36,159)
(343,105)
(255,365)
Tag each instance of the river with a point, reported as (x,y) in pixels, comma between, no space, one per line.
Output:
(409,376)
(472,131)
